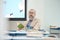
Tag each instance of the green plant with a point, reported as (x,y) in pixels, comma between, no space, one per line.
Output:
(20,26)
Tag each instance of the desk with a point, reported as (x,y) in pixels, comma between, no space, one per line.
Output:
(30,38)
(17,36)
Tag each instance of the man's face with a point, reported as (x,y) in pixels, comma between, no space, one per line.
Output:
(31,15)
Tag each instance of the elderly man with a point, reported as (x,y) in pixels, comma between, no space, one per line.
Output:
(33,23)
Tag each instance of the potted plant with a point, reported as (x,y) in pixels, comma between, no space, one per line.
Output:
(20,27)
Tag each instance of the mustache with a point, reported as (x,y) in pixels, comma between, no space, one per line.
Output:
(30,16)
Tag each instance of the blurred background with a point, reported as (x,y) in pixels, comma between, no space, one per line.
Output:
(48,11)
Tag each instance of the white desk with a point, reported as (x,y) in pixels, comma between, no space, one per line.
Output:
(25,37)
(29,38)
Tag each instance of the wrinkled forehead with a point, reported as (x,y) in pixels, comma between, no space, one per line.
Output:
(32,10)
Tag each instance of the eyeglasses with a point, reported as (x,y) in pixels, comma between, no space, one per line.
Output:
(31,12)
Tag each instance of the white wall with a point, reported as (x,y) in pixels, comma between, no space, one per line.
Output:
(3,22)
(52,13)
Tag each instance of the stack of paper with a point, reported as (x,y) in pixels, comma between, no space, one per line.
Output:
(35,33)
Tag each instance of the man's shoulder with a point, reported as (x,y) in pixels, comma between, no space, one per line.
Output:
(37,19)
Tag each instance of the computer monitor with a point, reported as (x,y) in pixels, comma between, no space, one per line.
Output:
(15,10)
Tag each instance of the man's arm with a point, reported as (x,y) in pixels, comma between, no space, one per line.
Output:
(36,24)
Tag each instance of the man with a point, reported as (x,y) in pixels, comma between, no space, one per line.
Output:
(33,23)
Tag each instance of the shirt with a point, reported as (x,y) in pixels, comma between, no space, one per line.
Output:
(29,25)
